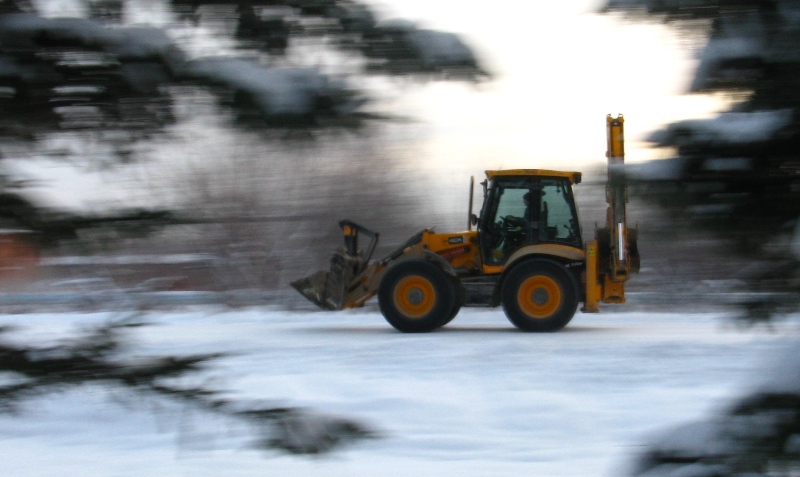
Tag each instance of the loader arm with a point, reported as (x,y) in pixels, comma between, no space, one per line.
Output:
(351,279)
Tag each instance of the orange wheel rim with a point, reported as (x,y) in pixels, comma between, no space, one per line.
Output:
(539,296)
(414,296)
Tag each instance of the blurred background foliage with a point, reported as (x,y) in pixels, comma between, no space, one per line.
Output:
(256,121)
(211,147)
(101,357)
(736,174)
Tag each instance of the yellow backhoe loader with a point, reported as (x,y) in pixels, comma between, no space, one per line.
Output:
(526,254)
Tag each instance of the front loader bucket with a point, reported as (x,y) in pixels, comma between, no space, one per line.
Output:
(329,290)
(313,288)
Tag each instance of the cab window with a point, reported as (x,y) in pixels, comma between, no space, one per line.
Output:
(558,220)
(507,218)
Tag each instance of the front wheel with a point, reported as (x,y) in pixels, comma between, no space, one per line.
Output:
(460,299)
(540,295)
(416,296)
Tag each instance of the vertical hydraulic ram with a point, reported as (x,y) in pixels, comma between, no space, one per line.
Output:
(616,197)
(613,256)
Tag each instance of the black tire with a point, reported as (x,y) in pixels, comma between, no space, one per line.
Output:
(540,295)
(461,298)
(416,296)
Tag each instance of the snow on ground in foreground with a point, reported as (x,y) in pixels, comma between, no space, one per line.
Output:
(474,399)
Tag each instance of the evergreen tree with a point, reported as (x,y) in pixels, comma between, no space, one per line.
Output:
(737,173)
(96,76)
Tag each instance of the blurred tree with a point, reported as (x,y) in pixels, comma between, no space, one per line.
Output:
(737,173)
(755,435)
(52,65)
(97,358)
(95,75)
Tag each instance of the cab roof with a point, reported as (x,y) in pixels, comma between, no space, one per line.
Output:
(574,177)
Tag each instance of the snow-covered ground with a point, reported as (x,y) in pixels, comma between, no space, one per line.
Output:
(476,398)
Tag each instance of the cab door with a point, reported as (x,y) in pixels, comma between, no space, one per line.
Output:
(523,211)
(508,218)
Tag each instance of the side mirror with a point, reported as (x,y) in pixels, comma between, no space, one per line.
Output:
(473,219)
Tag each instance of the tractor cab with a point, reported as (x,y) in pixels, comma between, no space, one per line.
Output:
(527,255)
(527,207)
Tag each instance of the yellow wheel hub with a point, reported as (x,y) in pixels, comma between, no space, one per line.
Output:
(414,296)
(539,296)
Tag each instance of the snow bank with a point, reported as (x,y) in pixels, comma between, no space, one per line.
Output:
(433,49)
(124,43)
(438,48)
(25,28)
(719,51)
(795,245)
(758,428)
(782,372)
(658,170)
(277,91)
(142,43)
(726,128)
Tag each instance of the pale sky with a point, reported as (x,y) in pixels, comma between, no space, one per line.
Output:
(559,69)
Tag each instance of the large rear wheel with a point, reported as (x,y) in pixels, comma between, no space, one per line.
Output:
(416,296)
(540,295)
